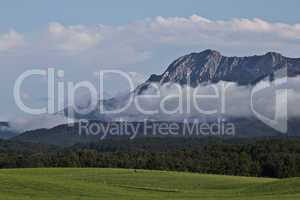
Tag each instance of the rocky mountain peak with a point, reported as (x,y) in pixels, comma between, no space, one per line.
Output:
(211,66)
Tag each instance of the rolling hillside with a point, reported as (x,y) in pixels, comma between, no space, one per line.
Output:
(95,184)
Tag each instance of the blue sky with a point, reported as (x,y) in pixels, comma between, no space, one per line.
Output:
(143,37)
(27,15)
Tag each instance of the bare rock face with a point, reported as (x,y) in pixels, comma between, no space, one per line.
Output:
(210,66)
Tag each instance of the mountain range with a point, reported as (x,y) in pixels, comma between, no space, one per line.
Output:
(204,68)
(211,66)
(194,69)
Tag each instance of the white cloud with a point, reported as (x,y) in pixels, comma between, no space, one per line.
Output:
(242,32)
(10,41)
(73,38)
(229,100)
(137,41)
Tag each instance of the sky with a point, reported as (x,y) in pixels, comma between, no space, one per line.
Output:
(27,15)
(141,37)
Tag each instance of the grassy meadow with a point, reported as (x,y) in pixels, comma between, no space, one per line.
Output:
(125,184)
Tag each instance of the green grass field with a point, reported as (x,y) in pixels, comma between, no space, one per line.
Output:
(114,184)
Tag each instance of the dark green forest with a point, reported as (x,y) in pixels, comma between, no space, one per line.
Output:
(268,157)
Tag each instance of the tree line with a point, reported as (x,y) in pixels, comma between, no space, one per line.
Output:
(269,157)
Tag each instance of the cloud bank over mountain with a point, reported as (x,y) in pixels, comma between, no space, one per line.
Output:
(208,102)
(173,102)
(142,46)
